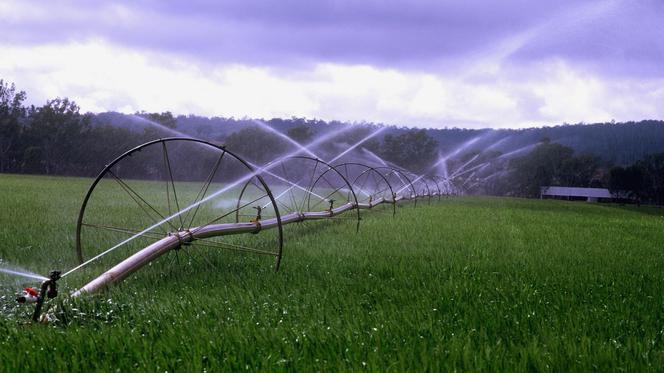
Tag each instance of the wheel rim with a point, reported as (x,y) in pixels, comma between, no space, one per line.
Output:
(156,180)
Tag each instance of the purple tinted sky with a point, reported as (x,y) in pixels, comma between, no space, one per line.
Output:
(467,63)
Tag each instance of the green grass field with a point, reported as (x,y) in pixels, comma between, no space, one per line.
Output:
(464,283)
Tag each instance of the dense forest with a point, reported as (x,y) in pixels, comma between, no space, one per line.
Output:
(57,139)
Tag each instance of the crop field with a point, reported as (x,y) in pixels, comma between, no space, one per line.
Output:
(458,283)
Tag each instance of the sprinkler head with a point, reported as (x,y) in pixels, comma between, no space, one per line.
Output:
(52,291)
(54,275)
(258,209)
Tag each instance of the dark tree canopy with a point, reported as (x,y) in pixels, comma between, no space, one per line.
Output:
(551,164)
(255,144)
(12,112)
(54,132)
(414,150)
(653,169)
(627,182)
(301,133)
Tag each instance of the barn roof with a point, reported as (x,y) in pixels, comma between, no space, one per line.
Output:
(575,192)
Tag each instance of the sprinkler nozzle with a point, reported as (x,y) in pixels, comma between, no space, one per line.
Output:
(259,209)
(52,291)
(257,220)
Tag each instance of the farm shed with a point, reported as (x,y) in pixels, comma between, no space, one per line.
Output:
(573,193)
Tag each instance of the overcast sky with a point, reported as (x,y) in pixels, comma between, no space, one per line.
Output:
(426,63)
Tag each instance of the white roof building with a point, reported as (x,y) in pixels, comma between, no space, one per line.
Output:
(591,194)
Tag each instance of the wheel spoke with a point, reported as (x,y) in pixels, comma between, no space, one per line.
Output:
(228,213)
(383,191)
(129,232)
(201,194)
(288,209)
(363,186)
(326,197)
(136,197)
(231,246)
(198,258)
(291,193)
(328,181)
(310,187)
(175,195)
(376,182)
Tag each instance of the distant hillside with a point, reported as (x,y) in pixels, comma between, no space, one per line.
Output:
(614,143)
(57,139)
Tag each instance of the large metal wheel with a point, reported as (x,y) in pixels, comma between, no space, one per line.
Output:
(401,183)
(369,184)
(176,186)
(420,184)
(308,185)
(442,185)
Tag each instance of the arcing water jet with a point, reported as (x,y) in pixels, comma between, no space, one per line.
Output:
(181,236)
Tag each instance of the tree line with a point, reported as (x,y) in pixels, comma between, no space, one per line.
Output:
(642,181)
(57,139)
(54,139)
(552,164)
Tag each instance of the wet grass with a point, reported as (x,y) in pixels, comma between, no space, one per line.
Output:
(464,283)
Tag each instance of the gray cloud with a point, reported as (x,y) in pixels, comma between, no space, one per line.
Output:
(413,34)
(614,37)
(468,63)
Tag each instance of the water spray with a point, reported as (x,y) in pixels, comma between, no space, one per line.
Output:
(49,290)
(176,238)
